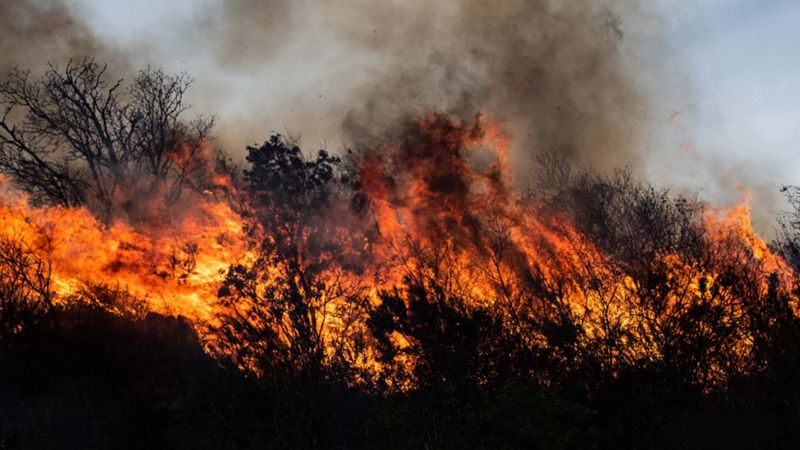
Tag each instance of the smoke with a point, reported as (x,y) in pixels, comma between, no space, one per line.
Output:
(244,34)
(558,74)
(40,32)
(554,72)
(586,79)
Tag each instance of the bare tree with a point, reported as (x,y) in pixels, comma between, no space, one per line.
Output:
(73,138)
(788,241)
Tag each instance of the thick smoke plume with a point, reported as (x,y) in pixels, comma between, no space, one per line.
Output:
(553,71)
(559,74)
(581,79)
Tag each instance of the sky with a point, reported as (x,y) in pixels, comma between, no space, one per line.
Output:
(727,96)
(742,60)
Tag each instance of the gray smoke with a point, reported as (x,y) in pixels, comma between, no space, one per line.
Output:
(581,78)
(41,32)
(553,71)
(244,34)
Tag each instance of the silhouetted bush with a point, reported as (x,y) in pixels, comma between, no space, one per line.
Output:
(684,328)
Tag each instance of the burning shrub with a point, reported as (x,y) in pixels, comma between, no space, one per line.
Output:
(26,292)
(415,270)
(298,304)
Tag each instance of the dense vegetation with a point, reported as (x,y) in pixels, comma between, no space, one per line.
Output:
(523,371)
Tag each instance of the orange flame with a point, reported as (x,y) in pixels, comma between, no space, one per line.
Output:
(176,267)
(451,213)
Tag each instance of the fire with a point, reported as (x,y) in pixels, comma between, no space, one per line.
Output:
(736,223)
(483,242)
(447,215)
(175,267)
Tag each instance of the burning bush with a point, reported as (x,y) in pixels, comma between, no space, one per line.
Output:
(413,268)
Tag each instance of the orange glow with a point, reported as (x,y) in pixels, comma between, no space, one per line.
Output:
(449,216)
(175,266)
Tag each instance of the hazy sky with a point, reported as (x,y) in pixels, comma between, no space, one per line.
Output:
(742,58)
(731,107)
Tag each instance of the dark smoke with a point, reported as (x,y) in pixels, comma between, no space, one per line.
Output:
(41,32)
(579,78)
(558,74)
(553,71)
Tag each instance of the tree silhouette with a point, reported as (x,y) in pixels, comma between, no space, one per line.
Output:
(296,291)
(26,294)
(72,138)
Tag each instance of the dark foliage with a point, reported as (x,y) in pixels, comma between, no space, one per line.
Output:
(519,414)
(455,372)
(100,381)
(452,346)
(25,291)
(276,307)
